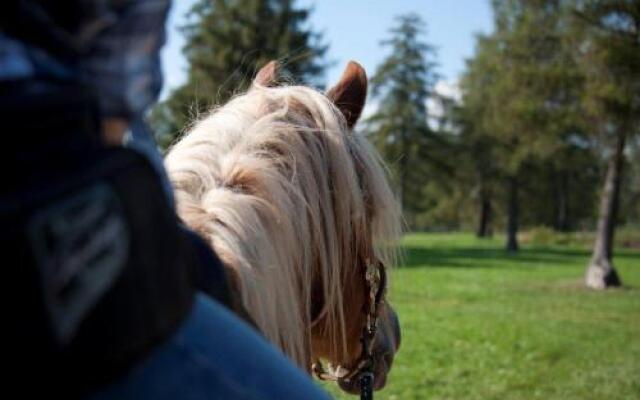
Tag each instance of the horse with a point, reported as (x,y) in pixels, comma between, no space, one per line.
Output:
(298,208)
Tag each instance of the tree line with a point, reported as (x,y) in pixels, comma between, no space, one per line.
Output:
(547,124)
(545,130)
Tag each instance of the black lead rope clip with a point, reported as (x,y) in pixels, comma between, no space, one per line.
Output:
(366,385)
(366,377)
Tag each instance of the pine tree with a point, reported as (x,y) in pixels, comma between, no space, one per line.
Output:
(399,128)
(227,41)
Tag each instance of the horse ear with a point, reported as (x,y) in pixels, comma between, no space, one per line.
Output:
(268,75)
(350,93)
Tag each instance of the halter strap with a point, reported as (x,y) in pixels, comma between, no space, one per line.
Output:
(376,282)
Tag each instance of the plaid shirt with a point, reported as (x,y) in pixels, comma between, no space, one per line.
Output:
(120,55)
(116,51)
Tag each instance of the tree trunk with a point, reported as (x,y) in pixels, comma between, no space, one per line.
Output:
(484,222)
(512,216)
(601,272)
(562,203)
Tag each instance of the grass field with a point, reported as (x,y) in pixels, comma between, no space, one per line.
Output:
(480,324)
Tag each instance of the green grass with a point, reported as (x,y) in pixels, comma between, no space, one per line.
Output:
(480,324)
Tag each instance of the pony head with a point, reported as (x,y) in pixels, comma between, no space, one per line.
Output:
(296,204)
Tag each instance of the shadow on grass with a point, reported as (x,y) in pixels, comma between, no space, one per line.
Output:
(472,257)
(479,257)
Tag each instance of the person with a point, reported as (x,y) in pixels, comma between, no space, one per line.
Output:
(100,58)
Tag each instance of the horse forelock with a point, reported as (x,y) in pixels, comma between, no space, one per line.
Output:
(286,195)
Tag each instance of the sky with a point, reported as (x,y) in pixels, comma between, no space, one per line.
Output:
(354,28)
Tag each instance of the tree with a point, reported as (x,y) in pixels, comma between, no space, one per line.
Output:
(399,128)
(520,90)
(607,43)
(226,42)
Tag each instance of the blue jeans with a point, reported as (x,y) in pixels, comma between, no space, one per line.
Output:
(213,356)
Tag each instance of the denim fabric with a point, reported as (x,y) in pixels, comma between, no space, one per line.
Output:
(213,356)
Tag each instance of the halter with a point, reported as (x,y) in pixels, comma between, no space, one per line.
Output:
(376,280)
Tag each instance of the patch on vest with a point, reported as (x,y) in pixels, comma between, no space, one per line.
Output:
(80,245)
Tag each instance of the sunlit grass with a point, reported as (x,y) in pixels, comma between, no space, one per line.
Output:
(478,323)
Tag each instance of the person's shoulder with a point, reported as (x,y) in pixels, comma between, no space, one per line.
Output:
(214,355)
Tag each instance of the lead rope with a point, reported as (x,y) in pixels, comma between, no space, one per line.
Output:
(366,376)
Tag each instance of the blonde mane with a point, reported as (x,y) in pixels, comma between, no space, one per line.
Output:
(289,198)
